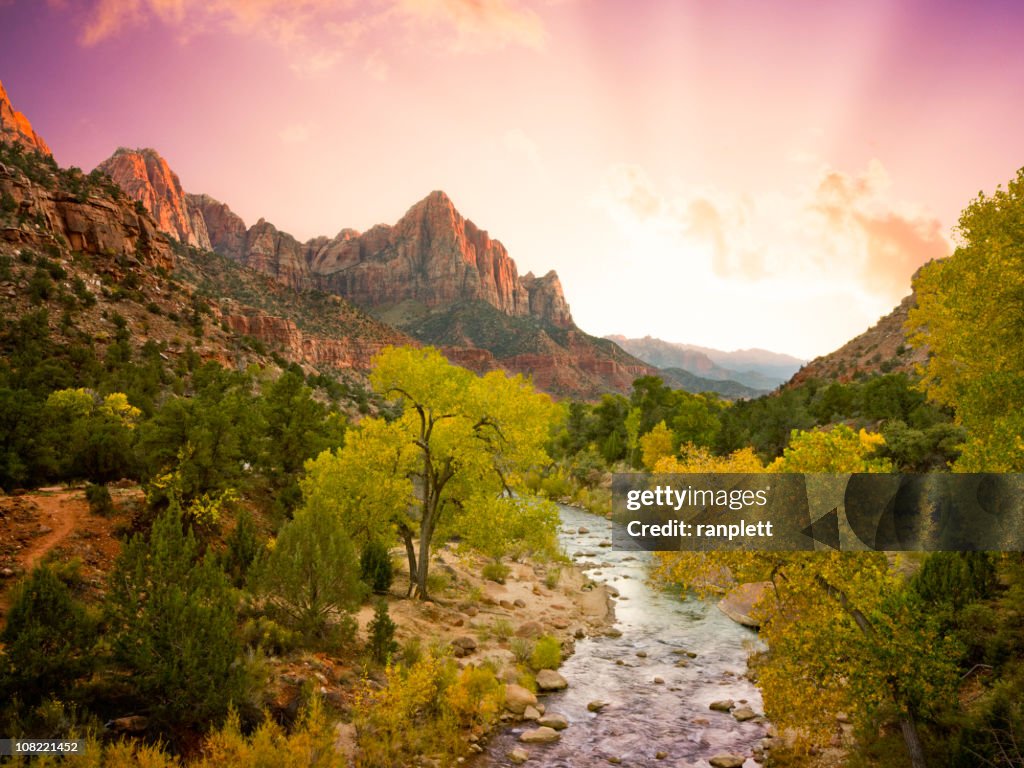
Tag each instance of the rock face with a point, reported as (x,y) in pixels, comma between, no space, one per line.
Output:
(225,228)
(146,177)
(16,128)
(96,225)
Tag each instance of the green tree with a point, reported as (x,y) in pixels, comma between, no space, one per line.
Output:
(171,615)
(970,314)
(47,641)
(471,437)
(382,633)
(310,578)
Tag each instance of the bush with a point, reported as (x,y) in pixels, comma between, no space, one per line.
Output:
(375,567)
(547,653)
(47,641)
(382,634)
(310,580)
(269,636)
(495,571)
(243,547)
(522,649)
(99,500)
(502,629)
(172,619)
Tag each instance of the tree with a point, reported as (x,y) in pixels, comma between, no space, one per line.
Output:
(844,632)
(471,437)
(310,578)
(656,445)
(172,618)
(970,314)
(367,485)
(47,639)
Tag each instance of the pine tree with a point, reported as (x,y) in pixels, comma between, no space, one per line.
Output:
(172,617)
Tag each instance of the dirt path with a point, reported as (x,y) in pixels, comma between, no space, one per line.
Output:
(60,511)
(55,511)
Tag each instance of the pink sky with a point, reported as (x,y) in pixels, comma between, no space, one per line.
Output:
(731,174)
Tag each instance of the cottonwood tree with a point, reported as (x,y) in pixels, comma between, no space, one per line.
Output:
(459,437)
(969,314)
(844,632)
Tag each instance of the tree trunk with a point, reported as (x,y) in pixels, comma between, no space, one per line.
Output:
(912,739)
(410,553)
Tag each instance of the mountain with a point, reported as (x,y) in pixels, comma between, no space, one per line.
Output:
(146,177)
(15,127)
(757,369)
(434,275)
(883,348)
(678,378)
(98,263)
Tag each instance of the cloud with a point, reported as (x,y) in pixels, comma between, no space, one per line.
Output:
(480,24)
(315,31)
(836,229)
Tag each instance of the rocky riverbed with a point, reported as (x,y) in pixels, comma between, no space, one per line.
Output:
(664,685)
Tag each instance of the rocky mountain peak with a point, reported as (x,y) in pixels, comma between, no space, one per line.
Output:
(147,177)
(16,128)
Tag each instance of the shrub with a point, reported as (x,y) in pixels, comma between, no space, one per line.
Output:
(522,649)
(99,500)
(552,577)
(47,640)
(375,567)
(502,629)
(310,579)
(495,571)
(266,634)
(243,547)
(547,653)
(382,634)
(172,620)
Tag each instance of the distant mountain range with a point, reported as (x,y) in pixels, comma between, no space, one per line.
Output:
(756,370)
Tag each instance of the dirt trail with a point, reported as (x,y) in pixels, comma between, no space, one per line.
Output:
(58,511)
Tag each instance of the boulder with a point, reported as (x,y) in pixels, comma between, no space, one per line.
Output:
(727,761)
(554,720)
(743,714)
(518,755)
(723,705)
(517,699)
(550,680)
(542,735)
(740,603)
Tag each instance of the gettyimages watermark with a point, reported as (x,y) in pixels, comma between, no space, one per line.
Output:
(793,512)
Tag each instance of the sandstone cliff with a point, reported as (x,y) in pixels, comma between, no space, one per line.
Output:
(146,177)
(15,127)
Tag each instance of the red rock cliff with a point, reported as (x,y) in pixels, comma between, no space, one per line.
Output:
(146,177)
(16,128)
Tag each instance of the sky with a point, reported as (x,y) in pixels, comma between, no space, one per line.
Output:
(726,173)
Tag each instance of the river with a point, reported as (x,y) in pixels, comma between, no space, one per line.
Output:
(645,723)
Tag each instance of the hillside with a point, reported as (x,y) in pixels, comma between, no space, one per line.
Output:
(677,378)
(883,348)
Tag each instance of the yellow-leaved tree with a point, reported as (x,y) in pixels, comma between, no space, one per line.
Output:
(844,634)
(460,446)
(970,314)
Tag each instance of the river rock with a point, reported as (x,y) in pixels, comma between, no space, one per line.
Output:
(723,705)
(531,713)
(542,735)
(740,603)
(581,529)
(554,720)
(743,714)
(517,699)
(659,681)
(518,755)
(727,761)
(597,705)
(549,680)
